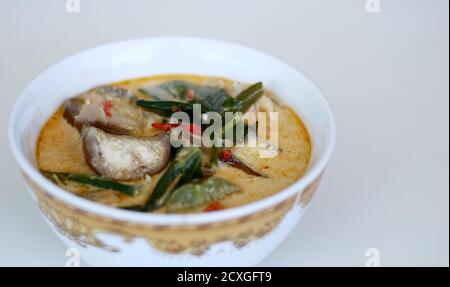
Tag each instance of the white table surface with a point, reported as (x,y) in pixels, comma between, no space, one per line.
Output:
(385,75)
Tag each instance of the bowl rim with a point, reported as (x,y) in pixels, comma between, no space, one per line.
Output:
(169,219)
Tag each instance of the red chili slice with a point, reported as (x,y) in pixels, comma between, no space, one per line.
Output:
(107,106)
(227,154)
(165,127)
(214,206)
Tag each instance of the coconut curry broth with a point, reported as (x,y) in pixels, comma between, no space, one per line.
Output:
(60,150)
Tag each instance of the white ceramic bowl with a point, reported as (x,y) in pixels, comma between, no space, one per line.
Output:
(106,236)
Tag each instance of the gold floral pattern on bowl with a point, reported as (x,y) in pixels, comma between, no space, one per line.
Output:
(83,227)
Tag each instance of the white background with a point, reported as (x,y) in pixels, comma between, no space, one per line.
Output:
(385,75)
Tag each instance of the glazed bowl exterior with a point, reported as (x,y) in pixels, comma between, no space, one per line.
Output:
(107,236)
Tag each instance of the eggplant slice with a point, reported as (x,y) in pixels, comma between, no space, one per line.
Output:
(109,108)
(122,157)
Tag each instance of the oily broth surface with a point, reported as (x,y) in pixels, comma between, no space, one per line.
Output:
(59,148)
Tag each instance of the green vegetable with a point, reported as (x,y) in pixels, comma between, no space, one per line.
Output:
(249,91)
(172,97)
(219,100)
(211,98)
(214,157)
(102,182)
(214,101)
(93,180)
(186,197)
(194,195)
(246,99)
(231,125)
(193,170)
(217,188)
(185,167)
(181,96)
(165,108)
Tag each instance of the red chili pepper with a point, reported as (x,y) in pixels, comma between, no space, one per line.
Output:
(190,94)
(107,106)
(214,206)
(165,127)
(227,154)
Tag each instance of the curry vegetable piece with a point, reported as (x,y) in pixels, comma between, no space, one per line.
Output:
(109,108)
(123,157)
(192,195)
(186,197)
(185,167)
(93,180)
(214,100)
(171,97)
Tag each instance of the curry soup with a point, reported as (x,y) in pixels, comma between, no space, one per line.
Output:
(111,145)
